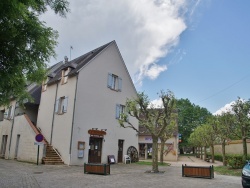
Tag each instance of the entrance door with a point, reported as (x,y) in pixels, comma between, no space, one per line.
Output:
(95,150)
(3,145)
(17,144)
(120,150)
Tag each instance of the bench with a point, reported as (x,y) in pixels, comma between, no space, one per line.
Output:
(198,171)
(93,168)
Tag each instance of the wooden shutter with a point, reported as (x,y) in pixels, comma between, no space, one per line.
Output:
(65,104)
(119,84)
(117,112)
(12,109)
(109,80)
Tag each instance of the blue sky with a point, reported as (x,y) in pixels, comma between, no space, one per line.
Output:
(215,69)
(199,49)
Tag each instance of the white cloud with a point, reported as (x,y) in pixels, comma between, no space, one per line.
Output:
(224,109)
(145,30)
(157,103)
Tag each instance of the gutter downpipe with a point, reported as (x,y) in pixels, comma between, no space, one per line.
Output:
(52,126)
(11,132)
(73,121)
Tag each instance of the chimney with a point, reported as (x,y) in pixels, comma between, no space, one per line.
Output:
(66,59)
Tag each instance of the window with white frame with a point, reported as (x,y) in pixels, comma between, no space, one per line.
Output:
(61,105)
(9,112)
(65,73)
(120,110)
(114,82)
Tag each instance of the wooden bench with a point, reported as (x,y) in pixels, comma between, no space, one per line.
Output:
(198,171)
(92,168)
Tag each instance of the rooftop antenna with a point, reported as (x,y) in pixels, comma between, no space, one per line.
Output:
(71,48)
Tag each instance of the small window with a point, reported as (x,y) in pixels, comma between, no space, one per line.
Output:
(120,109)
(114,82)
(61,105)
(65,73)
(45,82)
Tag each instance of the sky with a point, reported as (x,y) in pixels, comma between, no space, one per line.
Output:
(198,49)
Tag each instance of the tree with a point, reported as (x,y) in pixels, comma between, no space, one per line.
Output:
(153,119)
(225,129)
(241,109)
(168,133)
(190,116)
(26,44)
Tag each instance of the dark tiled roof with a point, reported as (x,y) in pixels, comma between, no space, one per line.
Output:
(76,64)
(36,94)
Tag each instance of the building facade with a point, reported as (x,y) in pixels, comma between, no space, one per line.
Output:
(81,102)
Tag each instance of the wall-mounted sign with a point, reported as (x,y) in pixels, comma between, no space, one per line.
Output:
(97,132)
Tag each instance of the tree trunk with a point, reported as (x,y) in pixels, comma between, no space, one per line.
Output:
(201,152)
(155,155)
(224,153)
(212,148)
(162,151)
(244,144)
(205,153)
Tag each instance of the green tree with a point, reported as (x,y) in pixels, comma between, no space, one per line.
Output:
(171,129)
(154,119)
(190,116)
(241,109)
(226,127)
(26,44)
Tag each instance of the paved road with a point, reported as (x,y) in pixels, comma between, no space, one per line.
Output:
(15,174)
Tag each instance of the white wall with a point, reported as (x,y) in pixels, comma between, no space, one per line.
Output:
(27,151)
(96,105)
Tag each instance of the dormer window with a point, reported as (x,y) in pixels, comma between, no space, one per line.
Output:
(114,82)
(65,73)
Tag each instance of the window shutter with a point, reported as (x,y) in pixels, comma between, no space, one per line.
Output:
(57,105)
(119,84)
(109,80)
(6,113)
(117,113)
(65,104)
(1,115)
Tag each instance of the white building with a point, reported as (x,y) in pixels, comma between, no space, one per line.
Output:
(78,113)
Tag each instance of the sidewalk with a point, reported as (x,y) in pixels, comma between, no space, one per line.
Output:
(193,161)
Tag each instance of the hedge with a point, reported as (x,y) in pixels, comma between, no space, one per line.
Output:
(232,160)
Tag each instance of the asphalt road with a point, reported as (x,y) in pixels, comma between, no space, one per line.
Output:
(18,174)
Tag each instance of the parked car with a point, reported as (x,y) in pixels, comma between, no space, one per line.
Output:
(245,177)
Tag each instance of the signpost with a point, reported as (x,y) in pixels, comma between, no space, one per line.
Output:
(39,139)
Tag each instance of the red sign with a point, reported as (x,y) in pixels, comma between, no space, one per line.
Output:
(39,137)
(97,132)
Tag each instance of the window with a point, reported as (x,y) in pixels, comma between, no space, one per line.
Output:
(8,113)
(61,105)
(45,84)
(120,109)
(114,82)
(65,73)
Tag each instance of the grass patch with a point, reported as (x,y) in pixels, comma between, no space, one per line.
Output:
(150,163)
(226,170)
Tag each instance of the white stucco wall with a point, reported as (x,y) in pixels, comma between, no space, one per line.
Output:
(27,151)
(96,105)
(46,111)
(5,129)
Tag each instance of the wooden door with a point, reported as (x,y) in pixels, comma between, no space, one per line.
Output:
(120,150)
(3,146)
(95,150)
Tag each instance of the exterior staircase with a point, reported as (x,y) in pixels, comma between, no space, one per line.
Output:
(52,157)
